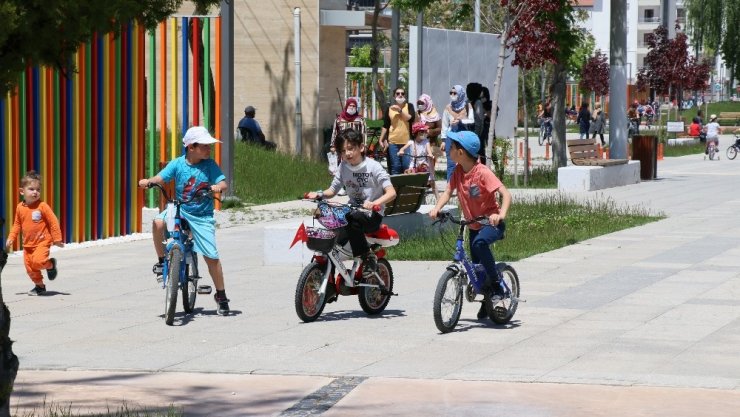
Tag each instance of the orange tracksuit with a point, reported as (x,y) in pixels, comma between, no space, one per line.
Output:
(40,228)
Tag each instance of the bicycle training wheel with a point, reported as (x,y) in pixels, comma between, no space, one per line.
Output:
(448,301)
(372,300)
(173,284)
(308,302)
(190,290)
(731,152)
(502,311)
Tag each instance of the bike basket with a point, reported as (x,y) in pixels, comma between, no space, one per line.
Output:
(320,240)
(332,217)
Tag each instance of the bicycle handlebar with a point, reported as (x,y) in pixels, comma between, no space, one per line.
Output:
(198,195)
(445,216)
(376,207)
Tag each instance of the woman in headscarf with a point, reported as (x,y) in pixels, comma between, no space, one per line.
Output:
(428,115)
(349,118)
(458,115)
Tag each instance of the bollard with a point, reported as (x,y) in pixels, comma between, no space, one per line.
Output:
(601,152)
(660,151)
(607,153)
(529,157)
(521,152)
(547,152)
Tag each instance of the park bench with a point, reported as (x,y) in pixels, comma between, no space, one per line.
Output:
(732,116)
(410,192)
(585,152)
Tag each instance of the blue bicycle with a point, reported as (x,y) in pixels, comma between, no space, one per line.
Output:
(180,268)
(463,276)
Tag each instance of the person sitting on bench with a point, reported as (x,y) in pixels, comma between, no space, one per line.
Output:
(251,131)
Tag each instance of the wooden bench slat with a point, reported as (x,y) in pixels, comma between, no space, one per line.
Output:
(410,192)
(585,152)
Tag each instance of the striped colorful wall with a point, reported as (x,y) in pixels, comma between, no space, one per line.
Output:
(93,133)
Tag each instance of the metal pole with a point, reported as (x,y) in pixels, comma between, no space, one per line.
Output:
(419,54)
(395,39)
(227,89)
(617,81)
(477,15)
(668,15)
(297,54)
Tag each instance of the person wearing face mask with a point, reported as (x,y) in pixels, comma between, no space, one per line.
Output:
(458,116)
(396,132)
(349,118)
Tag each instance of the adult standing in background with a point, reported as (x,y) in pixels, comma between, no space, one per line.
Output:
(396,132)
(349,118)
(584,120)
(599,124)
(458,116)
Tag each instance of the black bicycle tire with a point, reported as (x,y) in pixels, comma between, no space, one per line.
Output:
(190,290)
(310,271)
(446,326)
(367,294)
(173,283)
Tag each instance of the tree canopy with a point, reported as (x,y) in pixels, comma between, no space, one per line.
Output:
(48,32)
(595,74)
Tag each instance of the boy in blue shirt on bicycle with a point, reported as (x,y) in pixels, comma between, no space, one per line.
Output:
(477,187)
(193,172)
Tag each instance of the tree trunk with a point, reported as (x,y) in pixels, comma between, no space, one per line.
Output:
(557,94)
(210,124)
(374,54)
(8,360)
(491,150)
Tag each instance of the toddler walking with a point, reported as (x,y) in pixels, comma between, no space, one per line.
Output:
(40,228)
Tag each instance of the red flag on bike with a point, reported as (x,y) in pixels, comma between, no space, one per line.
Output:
(300,235)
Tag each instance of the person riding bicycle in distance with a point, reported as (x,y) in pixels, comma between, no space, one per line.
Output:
(477,187)
(194,172)
(367,184)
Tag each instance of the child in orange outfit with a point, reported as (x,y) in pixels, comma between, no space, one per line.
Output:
(40,229)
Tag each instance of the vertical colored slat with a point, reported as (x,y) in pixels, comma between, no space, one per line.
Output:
(100,47)
(142,123)
(34,161)
(151,91)
(173,98)
(219,132)
(185,77)
(88,142)
(80,184)
(195,36)
(94,138)
(69,158)
(106,186)
(126,86)
(23,139)
(57,176)
(5,177)
(163,93)
(115,199)
(207,72)
(49,136)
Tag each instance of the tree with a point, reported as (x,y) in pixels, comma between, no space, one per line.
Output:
(668,68)
(713,26)
(540,32)
(49,32)
(595,74)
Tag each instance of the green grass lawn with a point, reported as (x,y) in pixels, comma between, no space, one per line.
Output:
(535,226)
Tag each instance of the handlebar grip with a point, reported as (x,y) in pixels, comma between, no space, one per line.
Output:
(376,208)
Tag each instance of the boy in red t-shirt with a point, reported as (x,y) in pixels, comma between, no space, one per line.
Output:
(476,189)
(40,229)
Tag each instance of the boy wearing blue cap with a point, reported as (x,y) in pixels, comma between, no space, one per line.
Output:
(476,187)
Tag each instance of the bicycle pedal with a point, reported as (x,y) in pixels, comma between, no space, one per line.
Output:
(204,289)
(160,279)
(383,291)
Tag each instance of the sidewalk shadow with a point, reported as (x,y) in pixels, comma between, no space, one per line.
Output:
(465,325)
(356,314)
(182,318)
(48,293)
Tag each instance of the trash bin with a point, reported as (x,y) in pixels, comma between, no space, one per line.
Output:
(645,150)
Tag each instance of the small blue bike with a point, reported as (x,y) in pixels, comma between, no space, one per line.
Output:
(180,267)
(463,276)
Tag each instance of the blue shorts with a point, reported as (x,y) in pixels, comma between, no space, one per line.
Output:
(203,229)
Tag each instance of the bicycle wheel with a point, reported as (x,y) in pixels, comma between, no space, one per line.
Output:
(173,283)
(541,138)
(731,152)
(502,311)
(448,301)
(190,290)
(372,300)
(308,302)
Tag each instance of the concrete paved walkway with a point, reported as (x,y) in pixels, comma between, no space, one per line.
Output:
(642,322)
